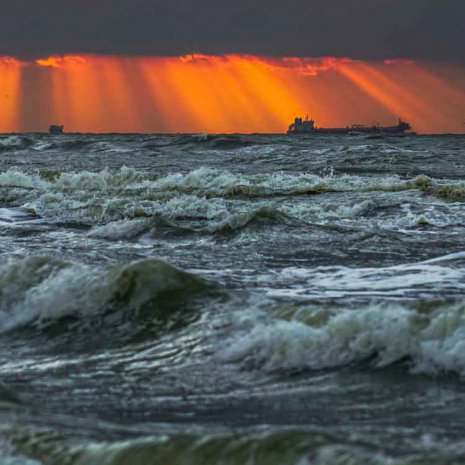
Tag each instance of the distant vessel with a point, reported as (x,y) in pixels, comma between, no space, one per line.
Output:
(307,126)
(54,129)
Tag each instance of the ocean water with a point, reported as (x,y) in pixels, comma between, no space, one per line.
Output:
(230,299)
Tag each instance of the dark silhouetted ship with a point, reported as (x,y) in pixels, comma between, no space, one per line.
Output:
(307,126)
(54,129)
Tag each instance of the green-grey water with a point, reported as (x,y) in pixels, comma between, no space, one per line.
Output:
(202,299)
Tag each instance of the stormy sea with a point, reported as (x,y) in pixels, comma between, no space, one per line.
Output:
(232,299)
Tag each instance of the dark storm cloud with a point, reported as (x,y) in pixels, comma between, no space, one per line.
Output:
(428,29)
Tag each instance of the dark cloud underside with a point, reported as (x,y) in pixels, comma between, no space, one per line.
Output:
(422,29)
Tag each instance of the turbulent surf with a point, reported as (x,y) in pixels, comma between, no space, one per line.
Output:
(203,299)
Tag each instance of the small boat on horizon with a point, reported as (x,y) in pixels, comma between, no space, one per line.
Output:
(55,129)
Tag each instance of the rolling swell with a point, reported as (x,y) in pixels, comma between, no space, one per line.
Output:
(288,447)
(44,293)
(72,145)
(215,141)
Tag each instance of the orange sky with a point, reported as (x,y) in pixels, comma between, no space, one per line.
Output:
(232,93)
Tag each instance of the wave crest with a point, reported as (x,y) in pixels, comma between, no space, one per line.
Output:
(15,142)
(40,291)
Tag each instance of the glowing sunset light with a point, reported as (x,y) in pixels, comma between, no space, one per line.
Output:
(10,75)
(230,93)
(389,93)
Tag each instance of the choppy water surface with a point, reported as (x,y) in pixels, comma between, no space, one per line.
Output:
(198,299)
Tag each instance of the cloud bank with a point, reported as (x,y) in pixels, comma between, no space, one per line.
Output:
(360,29)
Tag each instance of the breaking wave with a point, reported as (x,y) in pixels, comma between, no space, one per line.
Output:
(237,221)
(107,192)
(125,203)
(432,338)
(40,291)
(226,222)
(122,229)
(208,181)
(15,143)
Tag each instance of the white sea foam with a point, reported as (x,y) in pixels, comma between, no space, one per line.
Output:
(192,206)
(105,196)
(401,281)
(434,341)
(216,182)
(16,178)
(39,289)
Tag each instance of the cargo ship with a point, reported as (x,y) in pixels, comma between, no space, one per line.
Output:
(307,126)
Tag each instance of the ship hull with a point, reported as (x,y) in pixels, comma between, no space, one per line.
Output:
(352,131)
